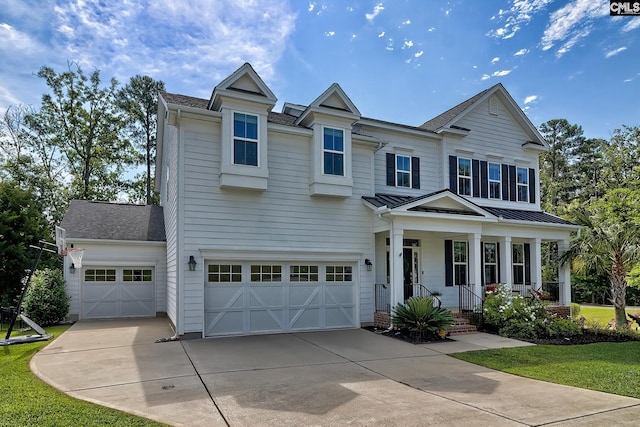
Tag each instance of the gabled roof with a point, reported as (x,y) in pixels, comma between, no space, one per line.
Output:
(113,221)
(420,204)
(334,100)
(449,118)
(244,83)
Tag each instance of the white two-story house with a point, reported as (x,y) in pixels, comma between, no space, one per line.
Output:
(301,219)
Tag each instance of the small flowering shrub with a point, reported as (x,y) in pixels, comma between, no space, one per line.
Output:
(518,317)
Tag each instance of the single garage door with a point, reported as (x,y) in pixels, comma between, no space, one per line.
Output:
(261,297)
(109,292)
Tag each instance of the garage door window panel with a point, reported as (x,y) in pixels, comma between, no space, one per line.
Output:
(266,273)
(339,273)
(100,275)
(303,273)
(224,273)
(137,275)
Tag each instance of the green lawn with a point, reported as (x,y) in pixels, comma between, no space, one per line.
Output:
(602,315)
(609,367)
(27,401)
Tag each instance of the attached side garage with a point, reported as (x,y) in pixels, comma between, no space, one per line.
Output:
(249,297)
(123,270)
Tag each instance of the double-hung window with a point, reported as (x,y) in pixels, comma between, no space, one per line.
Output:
(460,263)
(333,151)
(490,263)
(464,176)
(495,182)
(403,171)
(245,139)
(523,184)
(518,263)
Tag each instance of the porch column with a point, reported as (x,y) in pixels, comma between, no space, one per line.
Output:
(475,262)
(536,263)
(506,268)
(396,265)
(564,275)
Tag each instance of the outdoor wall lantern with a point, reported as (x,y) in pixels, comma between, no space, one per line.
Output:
(368,263)
(72,268)
(192,263)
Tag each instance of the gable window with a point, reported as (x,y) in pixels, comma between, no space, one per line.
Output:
(460,263)
(518,263)
(523,184)
(490,263)
(333,151)
(495,181)
(403,171)
(464,177)
(245,139)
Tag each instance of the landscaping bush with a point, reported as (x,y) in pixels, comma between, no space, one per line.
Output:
(46,301)
(563,328)
(575,310)
(420,317)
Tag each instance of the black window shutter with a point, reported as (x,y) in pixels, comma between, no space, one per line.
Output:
(415,172)
(484,180)
(453,174)
(475,173)
(512,183)
(527,263)
(391,169)
(448,262)
(498,259)
(505,182)
(532,185)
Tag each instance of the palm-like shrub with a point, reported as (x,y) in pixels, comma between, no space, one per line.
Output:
(419,316)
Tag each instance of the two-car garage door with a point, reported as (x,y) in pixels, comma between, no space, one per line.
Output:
(259,297)
(109,292)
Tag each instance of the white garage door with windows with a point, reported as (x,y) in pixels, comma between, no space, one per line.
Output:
(109,292)
(260,297)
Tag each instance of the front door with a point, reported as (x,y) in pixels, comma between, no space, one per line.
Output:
(411,271)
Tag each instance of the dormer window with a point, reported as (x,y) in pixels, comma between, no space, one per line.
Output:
(245,139)
(333,151)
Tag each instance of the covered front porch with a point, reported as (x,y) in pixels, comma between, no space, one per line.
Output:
(442,245)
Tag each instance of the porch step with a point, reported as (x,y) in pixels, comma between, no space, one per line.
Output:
(461,326)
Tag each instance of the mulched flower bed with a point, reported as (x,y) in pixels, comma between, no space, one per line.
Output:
(406,336)
(588,337)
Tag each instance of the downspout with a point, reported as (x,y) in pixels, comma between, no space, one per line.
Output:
(179,271)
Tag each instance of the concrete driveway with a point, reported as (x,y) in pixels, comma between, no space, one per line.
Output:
(345,377)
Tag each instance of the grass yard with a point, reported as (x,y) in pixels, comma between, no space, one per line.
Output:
(602,315)
(27,401)
(608,367)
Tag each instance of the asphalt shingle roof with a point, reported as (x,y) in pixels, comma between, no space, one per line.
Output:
(437,122)
(113,221)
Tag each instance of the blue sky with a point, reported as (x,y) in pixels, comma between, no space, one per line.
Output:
(404,61)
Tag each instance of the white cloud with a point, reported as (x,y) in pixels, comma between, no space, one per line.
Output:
(631,25)
(614,52)
(14,40)
(389,44)
(376,10)
(571,23)
(432,29)
(474,67)
(6,99)
(312,5)
(501,73)
(529,99)
(407,22)
(407,44)
(381,34)
(354,36)
(519,14)
(419,54)
(485,77)
(330,33)
(496,59)
(521,52)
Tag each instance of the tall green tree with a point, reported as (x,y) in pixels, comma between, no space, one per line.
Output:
(21,224)
(610,242)
(622,159)
(139,101)
(81,118)
(557,179)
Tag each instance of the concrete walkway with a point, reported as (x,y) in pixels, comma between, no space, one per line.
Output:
(317,378)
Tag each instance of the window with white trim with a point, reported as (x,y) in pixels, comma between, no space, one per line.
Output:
(403,171)
(224,273)
(266,273)
(464,176)
(522,175)
(245,139)
(495,181)
(518,263)
(333,151)
(137,275)
(303,273)
(460,263)
(100,275)
(339,273)
(490,263)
